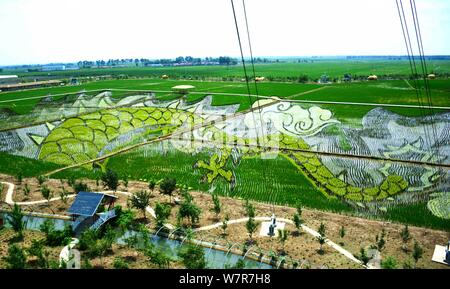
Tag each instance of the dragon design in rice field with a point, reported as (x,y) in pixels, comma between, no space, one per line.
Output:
(271,128)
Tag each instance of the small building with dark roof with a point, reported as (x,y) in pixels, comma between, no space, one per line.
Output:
(91,210)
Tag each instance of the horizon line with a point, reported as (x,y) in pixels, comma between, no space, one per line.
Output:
(238,57)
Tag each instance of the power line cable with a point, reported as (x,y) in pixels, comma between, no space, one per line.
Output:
(245,69)
(412,62)
(425,73)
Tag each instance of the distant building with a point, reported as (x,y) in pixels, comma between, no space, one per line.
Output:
(9,79)
(74,81)
(324,79)
(165,76)
(347,77)
(262,78)
(372,77)
(431,76)
(29,85)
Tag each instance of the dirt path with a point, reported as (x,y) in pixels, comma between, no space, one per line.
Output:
(306,92)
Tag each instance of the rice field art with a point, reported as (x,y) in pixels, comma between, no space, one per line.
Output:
(389,161)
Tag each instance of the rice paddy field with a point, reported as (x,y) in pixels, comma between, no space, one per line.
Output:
(314,68)
(364,148)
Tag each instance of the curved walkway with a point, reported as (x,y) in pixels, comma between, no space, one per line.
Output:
(304,228)
(64,252)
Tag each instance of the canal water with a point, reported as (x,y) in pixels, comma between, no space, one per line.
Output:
(216,259)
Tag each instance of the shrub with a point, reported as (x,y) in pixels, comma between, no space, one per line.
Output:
(46,193)
(189,210)
(87,239)
(251,227)
(15,219)
(363,256)
(110,180)
(54,237)
(389,263)
(167,186)
(193,257)
(240,264)
(151,185)
(217,206)
(417,252)
(119,263)
(16,258)
(41,179)
(297,221)
(162,212)
(80,187)
(140,201)
(157,257)
(249,209)
(37,249)
(125,218)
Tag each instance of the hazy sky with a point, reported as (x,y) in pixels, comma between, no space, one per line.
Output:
(43,31)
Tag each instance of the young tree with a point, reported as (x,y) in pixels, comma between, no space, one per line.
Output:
(151,185)
(282,237)
(167,186)
(380,241)
(322,229)
(342,235)
(125,218)
(80,187)
(251,227)
(37,250)
(110,180)
(55,237)
(406,236)
(64,195)
(41,179)
(363,256)
(417,253)
(189,210)
(225,224)
(162,212)
(249,209)
(26,190)
(16,220)
(321,239)
(217,206)
(46,193)
(16,258)
(297,222)
(193,257)
(140,201)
